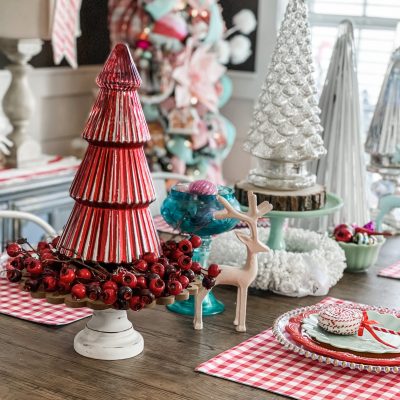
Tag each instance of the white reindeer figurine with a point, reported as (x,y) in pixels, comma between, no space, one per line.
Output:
(236,276)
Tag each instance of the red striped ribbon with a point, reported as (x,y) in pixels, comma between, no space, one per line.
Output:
(64,32)
(367,324)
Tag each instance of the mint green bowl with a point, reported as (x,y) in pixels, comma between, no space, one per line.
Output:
(359,257)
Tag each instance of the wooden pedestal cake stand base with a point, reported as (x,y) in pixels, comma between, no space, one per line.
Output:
(309,199)
(109,335)
(297,204)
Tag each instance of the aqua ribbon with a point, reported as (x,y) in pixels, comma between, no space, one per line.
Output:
(158,8)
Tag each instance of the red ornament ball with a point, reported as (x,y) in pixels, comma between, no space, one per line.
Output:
(78,291)
(196,241)
(84,274)
(174,287)
(213,270)
(157,287)
(109,296)
(67,274)
(129,279)
(33,266)
(343,233)
(185,246)
(13,249)
(50,283)
(150,257)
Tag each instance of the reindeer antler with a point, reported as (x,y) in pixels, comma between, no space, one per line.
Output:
(252,242)
(254,211)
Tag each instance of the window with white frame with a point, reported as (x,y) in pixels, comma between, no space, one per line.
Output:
(375,23)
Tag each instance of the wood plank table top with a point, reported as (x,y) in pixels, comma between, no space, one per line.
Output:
(39,363)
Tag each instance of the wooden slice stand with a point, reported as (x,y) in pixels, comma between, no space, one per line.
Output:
(109,335)
(308,199)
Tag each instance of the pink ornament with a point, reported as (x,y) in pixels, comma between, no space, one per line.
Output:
(370,226)
(171,25)
(143,44)
(203,187)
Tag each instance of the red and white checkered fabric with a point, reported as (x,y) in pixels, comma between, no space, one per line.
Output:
(263,363)
(19,304)
(393,271)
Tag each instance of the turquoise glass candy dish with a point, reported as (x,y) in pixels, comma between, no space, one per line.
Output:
(194,214)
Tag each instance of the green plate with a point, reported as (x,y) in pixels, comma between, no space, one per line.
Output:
(365,343)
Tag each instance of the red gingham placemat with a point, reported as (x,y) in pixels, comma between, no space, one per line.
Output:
(392,271)
(263,363)
(19,304)
(162,226)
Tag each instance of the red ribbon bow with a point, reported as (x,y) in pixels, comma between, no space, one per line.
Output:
(367,324)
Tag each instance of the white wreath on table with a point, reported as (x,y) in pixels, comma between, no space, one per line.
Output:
(311,264)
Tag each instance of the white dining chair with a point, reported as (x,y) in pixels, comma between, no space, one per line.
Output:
(160,185)
(25,216)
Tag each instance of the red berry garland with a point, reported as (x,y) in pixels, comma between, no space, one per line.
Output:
(126,286)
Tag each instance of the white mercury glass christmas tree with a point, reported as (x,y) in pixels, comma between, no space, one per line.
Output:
(342,171)
(285,132)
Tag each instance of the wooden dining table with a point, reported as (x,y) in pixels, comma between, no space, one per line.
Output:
(38,362)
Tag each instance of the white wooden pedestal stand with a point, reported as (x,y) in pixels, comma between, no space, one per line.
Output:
(109,335)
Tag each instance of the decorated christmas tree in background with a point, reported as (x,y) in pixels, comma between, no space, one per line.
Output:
(286,126)
(181,48)
(111,221)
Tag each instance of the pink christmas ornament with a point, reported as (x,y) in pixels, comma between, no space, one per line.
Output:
(171,25)
(202,187)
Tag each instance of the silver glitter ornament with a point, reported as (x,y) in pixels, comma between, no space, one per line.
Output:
(286,113)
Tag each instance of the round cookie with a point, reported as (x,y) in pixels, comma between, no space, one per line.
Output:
(340,320)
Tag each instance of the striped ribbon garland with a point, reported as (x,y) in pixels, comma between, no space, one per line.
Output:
(65,30)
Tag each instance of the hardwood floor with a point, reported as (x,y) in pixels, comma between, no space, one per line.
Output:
(38,362)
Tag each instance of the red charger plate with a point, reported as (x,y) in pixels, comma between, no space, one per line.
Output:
(293,328)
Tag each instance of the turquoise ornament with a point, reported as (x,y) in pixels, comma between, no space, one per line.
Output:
(151,112)
(216,25)
(178,146)
(158,8)
(230,131)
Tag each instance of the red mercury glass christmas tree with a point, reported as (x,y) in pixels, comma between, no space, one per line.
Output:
(111,221)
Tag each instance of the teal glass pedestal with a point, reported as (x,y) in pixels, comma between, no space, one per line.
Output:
(194,214)
(210,305)
(276,240)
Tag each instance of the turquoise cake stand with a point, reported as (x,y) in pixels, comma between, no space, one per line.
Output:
(276,240)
